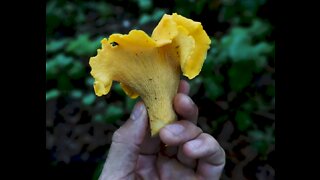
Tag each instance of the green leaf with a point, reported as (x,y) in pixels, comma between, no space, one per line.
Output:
(250,6)
(239,49)
(240,75)
(101,105)
(145,4)
(227,12)
(200,4)
(241,44)
(89,99)
(270,90)
(259,28)
(57,65)
(98,118)
(261,63)
(64,83)
(52,69)
(262,48)
(211,60)
(243,120)
(144,19)
(261,140)
(118,89)
(89,81)
(97,171)
(154,17)
(77,70)
(261,146)
(104,9)
(52,94)
(195,85)
(80,17)
(113,113)
(249,106)
(130,103)
(83,46)
(52,17)
(77,94)
(218,121)
(63,61)
(157,14)
(56,45)
(256,135)
(51,7)
(213,87)
(222,53)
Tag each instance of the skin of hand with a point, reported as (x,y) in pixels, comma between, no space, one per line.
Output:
(181,151)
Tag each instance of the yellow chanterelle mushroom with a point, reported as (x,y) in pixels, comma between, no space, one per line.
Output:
(150,67)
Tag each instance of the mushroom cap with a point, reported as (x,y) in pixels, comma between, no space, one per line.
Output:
(150,67)
(189,39)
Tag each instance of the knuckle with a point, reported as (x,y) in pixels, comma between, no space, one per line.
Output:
(215,147)
(208,139)
(191,127)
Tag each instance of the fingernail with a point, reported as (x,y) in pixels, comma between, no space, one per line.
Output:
(137,111)
(195,144)
(175,129)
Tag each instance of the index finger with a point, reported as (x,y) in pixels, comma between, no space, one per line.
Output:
(185,107)
(184,87)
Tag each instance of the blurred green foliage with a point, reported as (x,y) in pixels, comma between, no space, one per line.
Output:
(237,77)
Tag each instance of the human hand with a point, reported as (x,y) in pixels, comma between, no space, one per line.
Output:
(181,151)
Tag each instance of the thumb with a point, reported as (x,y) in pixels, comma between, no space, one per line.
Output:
(125,147)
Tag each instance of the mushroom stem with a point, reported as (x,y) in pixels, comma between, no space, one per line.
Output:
(159,102)
(160,113)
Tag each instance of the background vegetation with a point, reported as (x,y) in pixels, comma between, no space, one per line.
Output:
(235,91)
